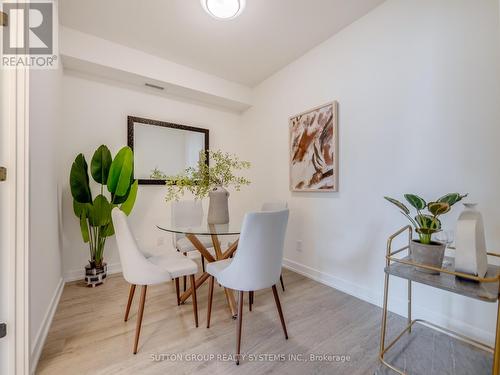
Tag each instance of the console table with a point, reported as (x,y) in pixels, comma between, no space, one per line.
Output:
(485,289)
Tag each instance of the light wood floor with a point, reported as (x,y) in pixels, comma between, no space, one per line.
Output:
(89,336)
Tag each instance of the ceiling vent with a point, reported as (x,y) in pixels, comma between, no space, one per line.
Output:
(154,86)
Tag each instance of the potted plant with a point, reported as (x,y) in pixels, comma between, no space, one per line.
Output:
(208,180)
(95,213)
(424,250)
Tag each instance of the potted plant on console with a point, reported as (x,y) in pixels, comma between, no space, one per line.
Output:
(424,250)
(95,213)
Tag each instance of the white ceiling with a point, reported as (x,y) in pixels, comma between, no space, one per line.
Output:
(266,37)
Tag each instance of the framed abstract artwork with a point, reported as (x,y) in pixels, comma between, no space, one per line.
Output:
(314,149)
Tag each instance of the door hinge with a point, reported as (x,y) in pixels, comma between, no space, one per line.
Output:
(3,173)
(3,330)
(4,19)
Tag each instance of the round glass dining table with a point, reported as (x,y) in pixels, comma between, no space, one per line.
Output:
(192,233)
(203,229)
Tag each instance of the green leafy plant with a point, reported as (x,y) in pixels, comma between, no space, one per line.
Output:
(200,180)
(427,223)
(95,213)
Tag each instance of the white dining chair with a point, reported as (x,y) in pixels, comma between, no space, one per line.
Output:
(271,206)
(255,266)
(188,213)
(139,270)
(274,206)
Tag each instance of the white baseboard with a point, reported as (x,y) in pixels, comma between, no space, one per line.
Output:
(44,328)
(396,305)
(79,274)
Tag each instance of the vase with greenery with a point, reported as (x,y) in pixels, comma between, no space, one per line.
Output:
(115,176)
(426,222)
(208,179)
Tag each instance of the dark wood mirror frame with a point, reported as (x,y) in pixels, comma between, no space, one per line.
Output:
(130,136)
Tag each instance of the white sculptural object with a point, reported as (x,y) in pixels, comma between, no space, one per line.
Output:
(470,243)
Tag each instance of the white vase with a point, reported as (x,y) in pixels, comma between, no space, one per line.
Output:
(470,243)
(218,211)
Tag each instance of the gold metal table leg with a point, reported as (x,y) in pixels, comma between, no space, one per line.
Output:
(496,354)
(409,304)
(384,325)
(384,316)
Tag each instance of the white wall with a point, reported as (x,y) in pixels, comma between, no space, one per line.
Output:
(45,272)
(95,112)
(418,90)
(45,253)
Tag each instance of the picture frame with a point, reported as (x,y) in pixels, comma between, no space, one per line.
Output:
(313,149)
(134,123)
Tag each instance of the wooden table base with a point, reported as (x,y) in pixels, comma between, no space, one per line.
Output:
(219,255)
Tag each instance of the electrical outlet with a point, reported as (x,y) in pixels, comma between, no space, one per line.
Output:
(160,241)
(299,246)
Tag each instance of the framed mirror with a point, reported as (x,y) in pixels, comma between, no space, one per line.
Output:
(163,146)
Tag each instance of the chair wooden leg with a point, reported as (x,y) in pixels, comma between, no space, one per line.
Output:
(282,284)
(250,300)
(280,312)
(177,291)
(210,298)
(130,299)
(203,263)
(139,317)
(195,302)
(238,329)
(185,277)
(184,283)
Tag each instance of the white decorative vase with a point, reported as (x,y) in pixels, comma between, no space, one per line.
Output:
(218,211)
(470,243)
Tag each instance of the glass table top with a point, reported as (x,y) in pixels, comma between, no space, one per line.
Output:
(203,228)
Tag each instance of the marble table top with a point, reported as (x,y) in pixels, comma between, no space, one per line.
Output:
(487,292)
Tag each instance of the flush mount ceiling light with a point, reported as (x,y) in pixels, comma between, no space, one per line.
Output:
(223,9)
